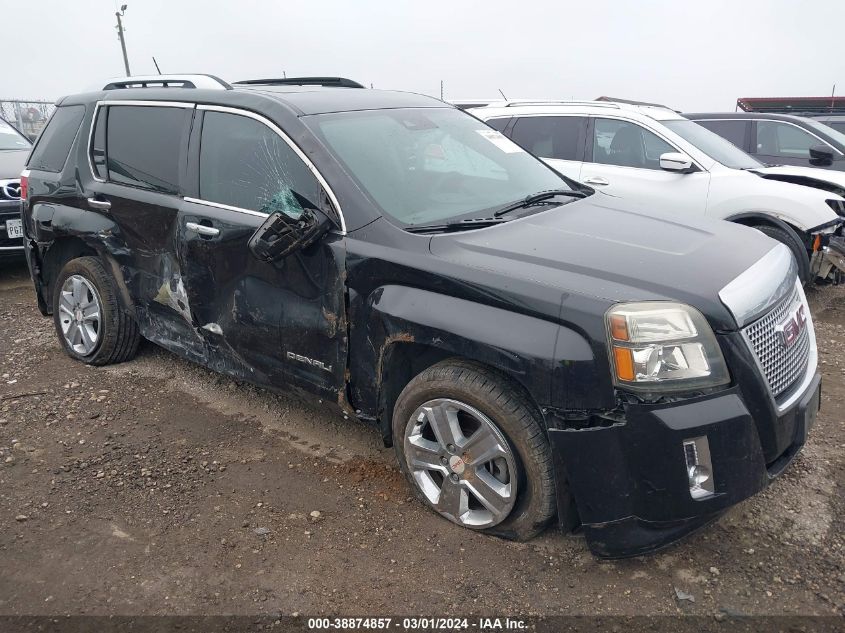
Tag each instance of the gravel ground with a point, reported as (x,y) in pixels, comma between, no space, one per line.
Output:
(157,487)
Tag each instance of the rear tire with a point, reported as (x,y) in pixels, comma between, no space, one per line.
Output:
(90,321)
(790,238)
(481,404)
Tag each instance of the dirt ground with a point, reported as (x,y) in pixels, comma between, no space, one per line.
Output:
(157,487)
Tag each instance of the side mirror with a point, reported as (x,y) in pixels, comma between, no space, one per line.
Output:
(821,155)
(676,161)
(282,234)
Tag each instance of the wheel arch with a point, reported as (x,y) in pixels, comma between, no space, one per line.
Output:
(754,218)
(399,331)
(64,248)
(403,360)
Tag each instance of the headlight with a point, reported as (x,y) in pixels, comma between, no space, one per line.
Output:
(662,346)
(838,206)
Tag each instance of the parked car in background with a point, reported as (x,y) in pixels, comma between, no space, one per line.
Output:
(656,157)
(836,121)
(779,139)
(535,351)
(14,148)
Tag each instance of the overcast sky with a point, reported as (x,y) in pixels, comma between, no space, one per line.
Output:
(689,55)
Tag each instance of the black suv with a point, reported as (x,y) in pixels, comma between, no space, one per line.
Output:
(779,139)
(14,148)
(531,349)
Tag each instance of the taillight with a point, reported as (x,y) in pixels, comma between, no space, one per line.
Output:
(24,183)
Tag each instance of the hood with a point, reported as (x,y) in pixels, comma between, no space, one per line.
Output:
(12,162)
(825,179)
(600,248)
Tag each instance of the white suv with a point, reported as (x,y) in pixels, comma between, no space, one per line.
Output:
(655,157)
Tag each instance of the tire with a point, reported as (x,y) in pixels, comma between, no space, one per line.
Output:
(794,243)
(456,383)
(85,288)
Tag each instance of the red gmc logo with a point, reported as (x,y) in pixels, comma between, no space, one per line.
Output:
(792,326)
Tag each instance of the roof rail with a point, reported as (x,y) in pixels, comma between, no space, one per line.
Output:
(329,82)
(632,102)
(517,102)
(206,82)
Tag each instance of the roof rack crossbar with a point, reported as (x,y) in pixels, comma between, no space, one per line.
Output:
(199,81)
(329,82)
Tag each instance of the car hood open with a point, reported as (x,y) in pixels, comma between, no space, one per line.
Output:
(601,248)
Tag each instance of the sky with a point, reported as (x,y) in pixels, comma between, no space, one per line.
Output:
(691,56)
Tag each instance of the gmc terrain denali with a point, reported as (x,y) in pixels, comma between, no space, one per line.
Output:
(532,350)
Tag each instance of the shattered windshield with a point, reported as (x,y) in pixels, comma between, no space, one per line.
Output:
(424,165)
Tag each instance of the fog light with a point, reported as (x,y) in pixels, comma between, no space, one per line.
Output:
(699,468)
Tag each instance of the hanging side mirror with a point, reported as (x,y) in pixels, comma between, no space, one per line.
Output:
(283,233)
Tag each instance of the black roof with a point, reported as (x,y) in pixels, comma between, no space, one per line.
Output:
(743,115)
(303,100)
(310,100)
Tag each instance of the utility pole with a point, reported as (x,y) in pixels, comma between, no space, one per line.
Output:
(119,14)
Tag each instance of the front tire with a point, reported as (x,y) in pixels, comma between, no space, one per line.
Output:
(90,322)
(790,238)
(473,448)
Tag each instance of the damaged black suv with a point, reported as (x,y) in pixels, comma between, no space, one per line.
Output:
(533,350)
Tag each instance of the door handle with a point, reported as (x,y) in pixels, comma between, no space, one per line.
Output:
(597,180)
(202,229)
(105,205)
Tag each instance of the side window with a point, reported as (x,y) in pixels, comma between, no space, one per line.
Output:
(775,138)
(550,136)
(53,147)
(499,124)
(245,164)
(627,145)
(144,144)
(98,145)
(733,130)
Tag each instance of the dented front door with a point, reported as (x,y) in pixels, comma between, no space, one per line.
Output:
(280,323)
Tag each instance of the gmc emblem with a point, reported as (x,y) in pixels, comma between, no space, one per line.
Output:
(792,326)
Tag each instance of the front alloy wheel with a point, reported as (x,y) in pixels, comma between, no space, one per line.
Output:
(461,463)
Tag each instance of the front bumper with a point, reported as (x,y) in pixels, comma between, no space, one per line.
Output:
(10,247)
(629,479)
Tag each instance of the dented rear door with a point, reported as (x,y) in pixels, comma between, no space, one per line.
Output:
(280,323)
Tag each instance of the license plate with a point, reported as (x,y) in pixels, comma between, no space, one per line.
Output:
(14,228)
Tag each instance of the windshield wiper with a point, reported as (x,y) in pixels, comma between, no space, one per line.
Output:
(462,225)
(541,197)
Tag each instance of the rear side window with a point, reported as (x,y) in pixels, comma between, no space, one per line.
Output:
(245,164)
(731,130)
(98,146)
(53,147)
(143,146)
(550,136)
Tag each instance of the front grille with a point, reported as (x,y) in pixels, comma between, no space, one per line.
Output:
(783,366)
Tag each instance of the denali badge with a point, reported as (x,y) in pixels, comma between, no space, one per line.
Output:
(792,326)
(309,361)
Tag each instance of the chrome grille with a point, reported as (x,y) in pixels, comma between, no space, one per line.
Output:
(783,366)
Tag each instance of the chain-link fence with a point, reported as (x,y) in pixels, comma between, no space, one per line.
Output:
(28,116)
